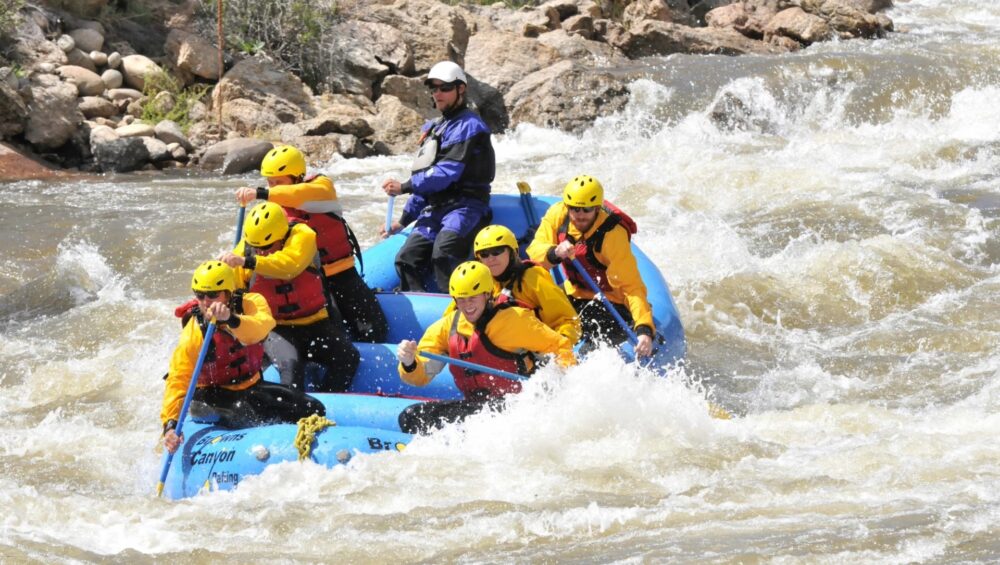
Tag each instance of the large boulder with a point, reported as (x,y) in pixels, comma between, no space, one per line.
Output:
(193,54)
(13,112)
(169,132)
(275,95)
(361,54)
(32,47)
(489,102)
(848,21)
(88,83)
(798,25)
(119,155)
(53,115)
(397,125)
(651,37)
(433,30)
(136,68)
(96,107)
(236,156)
(566,95)
(87,39)
(501,58)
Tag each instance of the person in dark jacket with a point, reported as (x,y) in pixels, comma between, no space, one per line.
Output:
(449,185)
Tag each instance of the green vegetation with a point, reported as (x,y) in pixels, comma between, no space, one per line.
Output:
(184,99)
(290,31)
(9,15)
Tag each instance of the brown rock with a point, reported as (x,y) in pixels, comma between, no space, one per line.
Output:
(502,58)
(566,95)
(798,25)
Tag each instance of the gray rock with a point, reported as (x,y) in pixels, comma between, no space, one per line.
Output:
(136,68)
(236,156)
(169,132)
(158,150)
(136,130)
(80,59)
(96,107)
(53,116)
(114,60)
(65,43)
(124,94)
(86,81)
(193,54)
(87,40)
(120,155)
(112,79)
(99,58)
(13,112)
(177,152)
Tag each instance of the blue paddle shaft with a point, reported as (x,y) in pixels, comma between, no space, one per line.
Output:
(168,457)
(604,299)
(388,215)
(239,224)
(473,366)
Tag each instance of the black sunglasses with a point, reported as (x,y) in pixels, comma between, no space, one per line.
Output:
(491,252)
(583,209)
(446,87)
(210,294)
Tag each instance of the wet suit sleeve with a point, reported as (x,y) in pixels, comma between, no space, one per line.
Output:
(516,328)
(434,340)
(182,364)
(624,277)
(255,322)
(296,195)
(554,308)
(288,262)
(540,250)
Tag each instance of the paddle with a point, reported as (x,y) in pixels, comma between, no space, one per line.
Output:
(529,209)
(473,366)
(633,339)
(239,224)
(168,457)
(388,216)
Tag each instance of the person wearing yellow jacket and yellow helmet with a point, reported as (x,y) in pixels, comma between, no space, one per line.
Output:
(229,385)
(525,281)
(580,227)
(278,260)
(313,200)
(504,337)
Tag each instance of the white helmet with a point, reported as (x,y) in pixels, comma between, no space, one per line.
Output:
(446,72)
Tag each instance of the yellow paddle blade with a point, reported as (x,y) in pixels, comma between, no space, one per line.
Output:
(523,187)
(718,412)
(159,490)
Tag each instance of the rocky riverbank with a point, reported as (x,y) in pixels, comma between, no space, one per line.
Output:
(88,91)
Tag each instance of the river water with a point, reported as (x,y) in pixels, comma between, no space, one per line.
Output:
(834,256)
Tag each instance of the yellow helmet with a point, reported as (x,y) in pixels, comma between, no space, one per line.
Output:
(213,275)
(470,279)
(265,225)
(583,192)
(494,236)
(283,160)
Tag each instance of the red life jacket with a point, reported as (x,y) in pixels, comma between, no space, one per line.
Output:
(589,248)
(478,348)
(334,238)
(290,299)
(228,362)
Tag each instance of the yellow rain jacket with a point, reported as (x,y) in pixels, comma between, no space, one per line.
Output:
(255,323)
(297,254)
(511,329)
(616,252)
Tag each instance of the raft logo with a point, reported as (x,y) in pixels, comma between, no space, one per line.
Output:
(220,439)
(213,457)
(224,478)
(384,445)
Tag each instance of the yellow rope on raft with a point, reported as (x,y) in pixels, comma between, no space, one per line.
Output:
(308,428)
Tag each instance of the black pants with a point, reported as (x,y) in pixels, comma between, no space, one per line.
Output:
(597,325)
(358,306)
(426,417)
(324,343)
(262,403)
(442,254)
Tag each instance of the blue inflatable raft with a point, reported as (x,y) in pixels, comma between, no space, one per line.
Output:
(367,418)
